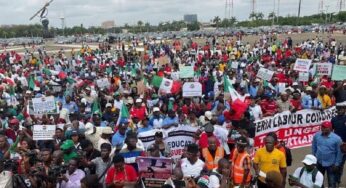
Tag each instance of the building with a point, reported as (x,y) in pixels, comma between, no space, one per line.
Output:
(190,18)
(107,24)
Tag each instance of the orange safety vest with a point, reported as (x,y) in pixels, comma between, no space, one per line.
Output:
(238,169)
(211,162)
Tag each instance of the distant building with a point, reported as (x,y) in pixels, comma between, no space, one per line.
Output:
(107,24)
(190,18)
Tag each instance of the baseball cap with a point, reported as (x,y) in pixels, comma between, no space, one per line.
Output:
(309,159)
(295,84)
(74,133)
(138,100)
(108,105)
(208,115)
(156,109)
(308,88)
(242,141)
(203,181)
(327,124)
(14,121)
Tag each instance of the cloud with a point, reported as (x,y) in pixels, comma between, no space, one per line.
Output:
(92,12)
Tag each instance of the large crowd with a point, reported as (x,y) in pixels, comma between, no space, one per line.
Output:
(106,97)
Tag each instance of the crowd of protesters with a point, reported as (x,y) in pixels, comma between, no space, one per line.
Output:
(94,146)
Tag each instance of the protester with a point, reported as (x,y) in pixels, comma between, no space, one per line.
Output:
(308,176)
(326,147)
(241,164)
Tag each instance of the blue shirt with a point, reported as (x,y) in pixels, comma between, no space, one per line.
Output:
(305,101)
(312,103)
(72,107)
(327,149)
(168,121)
(253,91)
(339,126)
(118,139)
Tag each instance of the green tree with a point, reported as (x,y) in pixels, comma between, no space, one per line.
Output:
(193,26)
(217,21)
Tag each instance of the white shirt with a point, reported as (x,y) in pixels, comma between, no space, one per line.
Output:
(6,179)
(189,169)
(306,178)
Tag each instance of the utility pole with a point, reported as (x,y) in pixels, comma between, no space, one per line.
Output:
(277,14)
(300,2)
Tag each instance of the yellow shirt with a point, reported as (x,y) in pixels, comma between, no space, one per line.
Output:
(269,161)
(222,67)
(325,100)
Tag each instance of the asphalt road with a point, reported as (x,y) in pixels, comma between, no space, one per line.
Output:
(298,155)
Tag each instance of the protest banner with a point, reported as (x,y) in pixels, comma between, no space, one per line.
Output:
(179,137)
(154,171)
(302,65)
(192,89)
(186,72)
(43,105)
(43,132)
(147,137)
(103,83)
(323,69)
(295,129)
(265,74)
(339,72)
(55,88)
(141,87)
(303,76)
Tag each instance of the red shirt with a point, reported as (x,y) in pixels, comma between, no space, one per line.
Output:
(296,104)
(269,107)
(203,141)
(128,175)
(138,112)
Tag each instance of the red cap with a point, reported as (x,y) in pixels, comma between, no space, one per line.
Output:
(14,121)
(327,124)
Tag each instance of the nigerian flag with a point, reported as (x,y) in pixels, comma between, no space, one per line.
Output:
(124,113)
(230,91)
(163,84)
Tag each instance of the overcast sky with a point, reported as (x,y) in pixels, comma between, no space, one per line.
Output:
(94,12)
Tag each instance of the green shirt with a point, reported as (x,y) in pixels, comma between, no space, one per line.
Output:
(68,157)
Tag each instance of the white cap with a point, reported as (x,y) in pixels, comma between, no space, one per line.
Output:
(89,128)
(257,80)
(36,88)
(308,88)
(28,92)
(108,105)
(295,84)
(156,109)
(139,100)
(208,115)
(107,130)
(309,160)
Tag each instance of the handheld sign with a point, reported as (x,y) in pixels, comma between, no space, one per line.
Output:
(302,65)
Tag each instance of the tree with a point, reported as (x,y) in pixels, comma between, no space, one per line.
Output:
(147,26)
(271,15)
(140,24)
(252,15)
(193,26)
(259,16)
(126,26)
(217,21)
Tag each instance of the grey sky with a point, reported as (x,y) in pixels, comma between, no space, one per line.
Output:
(93,12)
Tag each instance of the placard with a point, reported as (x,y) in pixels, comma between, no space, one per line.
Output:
(43,132)
(323,69)
(155,167)
(192,89)
(234,65)
(303,76)
(302,65)
(186,72)
(339,72)
(43,105)
(265,74)
(163,60)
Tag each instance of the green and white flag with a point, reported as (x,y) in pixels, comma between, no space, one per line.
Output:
(163,84)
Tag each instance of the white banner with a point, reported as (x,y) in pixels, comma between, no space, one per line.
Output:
(43,104)
(43,132)
(303,76)
(302,65)
(265,74)
(323,69)
(192,89)
(296,129)
(175,138)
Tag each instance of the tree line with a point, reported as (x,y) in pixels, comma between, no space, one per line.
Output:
(255,19)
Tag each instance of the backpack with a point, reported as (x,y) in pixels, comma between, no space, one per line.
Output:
(314,174)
